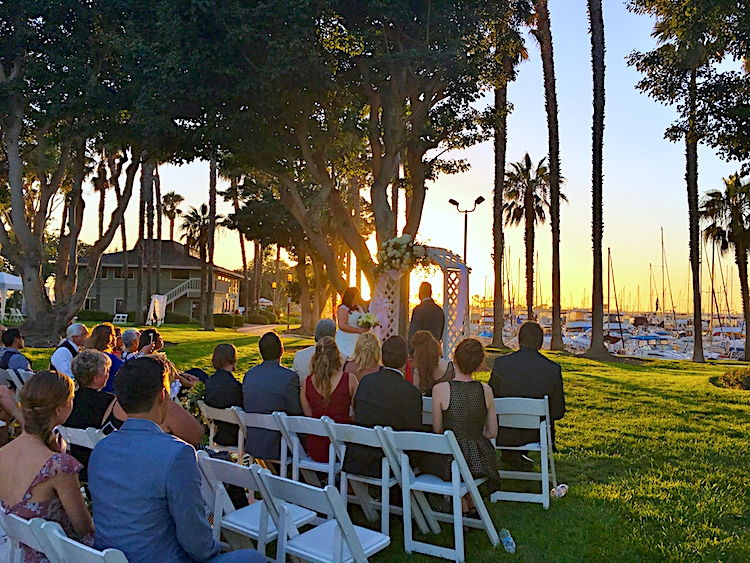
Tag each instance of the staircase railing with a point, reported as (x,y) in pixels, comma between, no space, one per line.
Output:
(193,284)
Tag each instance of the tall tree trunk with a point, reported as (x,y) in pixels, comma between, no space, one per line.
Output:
(691,177)
(209,324)
(319,292)
(276,278)
(157,197)
(99,186)
(171,228)
(528,238)
(596,21)
(236,202)
(550,95)
(257,274)
(740,256)
(305,301)
(498,237)
(139,303)
(125,268)
(150,234)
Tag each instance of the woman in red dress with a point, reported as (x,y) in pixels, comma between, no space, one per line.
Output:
(327,392)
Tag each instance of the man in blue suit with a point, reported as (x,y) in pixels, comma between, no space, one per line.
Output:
(269,387)
(145,484)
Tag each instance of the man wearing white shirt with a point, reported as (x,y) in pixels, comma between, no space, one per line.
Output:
(68,349)
(301,363)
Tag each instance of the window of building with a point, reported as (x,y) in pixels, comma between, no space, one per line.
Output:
(90,303)
(180,274)
(120,305)
(105,273)
(118,273)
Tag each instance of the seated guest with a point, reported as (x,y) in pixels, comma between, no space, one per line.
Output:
(269,387)
(103,339)
(428,368)
(12,357)
(130,340)
(384,398)
(145,484)
(527,373)
(301,363)
(150,342)
(327,392)
(9,410)
(367,357)
(68,349)
(466,407)
(179,422)
(39,480)
(92,407)
(223,391)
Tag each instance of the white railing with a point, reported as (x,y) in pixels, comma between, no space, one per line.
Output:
(193,284)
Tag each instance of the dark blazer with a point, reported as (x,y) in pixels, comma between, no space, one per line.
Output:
(269,387)
(428,315)
(527,373)
(223,391)
(383,398)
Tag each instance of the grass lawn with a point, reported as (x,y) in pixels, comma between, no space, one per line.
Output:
(656,458)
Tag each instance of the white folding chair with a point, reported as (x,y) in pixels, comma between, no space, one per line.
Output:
(461,483)
(335,541)
(247,420)
(120,319)
(250,521)
(26,532)
(15,378)
(69,551)
(291,427)
(84,437)
(529,414)
(213,414)
(427,411)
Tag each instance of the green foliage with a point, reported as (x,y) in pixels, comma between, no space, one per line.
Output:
(190,402)
(737,378)
(239,320)
(176,318)
(224,320)
(92,315)
(270,316)
(257,319)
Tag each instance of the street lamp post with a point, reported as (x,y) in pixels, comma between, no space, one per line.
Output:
(273,288)
(288,298)
(466,212)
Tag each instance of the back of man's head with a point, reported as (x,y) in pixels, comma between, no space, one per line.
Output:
(270,346)
(325,327)
(138,382)
(425,290)
(74,330)
(10,335)
(530,335)
(395,352)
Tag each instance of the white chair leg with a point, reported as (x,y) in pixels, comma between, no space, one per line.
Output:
(385,497)
(458,516)
(406,501)
(545,470)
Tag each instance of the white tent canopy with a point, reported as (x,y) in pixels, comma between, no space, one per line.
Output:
(8,283)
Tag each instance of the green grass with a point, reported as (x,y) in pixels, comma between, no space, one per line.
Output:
(656,458)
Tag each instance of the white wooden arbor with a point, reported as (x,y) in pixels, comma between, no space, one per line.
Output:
(385,301)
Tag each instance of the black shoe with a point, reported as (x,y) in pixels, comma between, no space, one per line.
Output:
(517,461)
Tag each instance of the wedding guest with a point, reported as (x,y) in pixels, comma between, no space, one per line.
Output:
(428,367)
(467,407)
(266,388)
(151,342)
(119,346)
(347,316)
(428,315)
(327,392)
(130,340)
(301,363)
(223,391)
(145,484)
(103,338)
(12,357)
(92,406)
(39,480)
(9,410)
(62,357)
(367,357)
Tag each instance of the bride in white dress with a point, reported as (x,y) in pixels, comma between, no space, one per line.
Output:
(347,315)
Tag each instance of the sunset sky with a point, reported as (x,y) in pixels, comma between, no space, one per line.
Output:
(644,186)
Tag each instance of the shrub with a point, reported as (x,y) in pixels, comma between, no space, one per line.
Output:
(270,317)
(737,378)
(257,319)
(224,320)
(239,320)
(176,318)
(98,316)
(195,322)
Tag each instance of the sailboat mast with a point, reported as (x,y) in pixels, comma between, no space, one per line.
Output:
(663,292)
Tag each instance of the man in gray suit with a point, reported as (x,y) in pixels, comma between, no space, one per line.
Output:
(269,387)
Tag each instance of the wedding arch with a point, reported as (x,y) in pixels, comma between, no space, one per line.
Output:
(385,300)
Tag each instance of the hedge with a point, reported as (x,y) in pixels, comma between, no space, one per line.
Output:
(92,315)
(270,317)
(224,320)
(176,318)
(239,320)
(257,319)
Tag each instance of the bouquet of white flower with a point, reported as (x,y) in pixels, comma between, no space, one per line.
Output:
(401,254)
(368,320)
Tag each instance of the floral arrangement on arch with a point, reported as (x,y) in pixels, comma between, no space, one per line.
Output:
(401,254)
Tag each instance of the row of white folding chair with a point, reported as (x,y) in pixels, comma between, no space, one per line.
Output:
(528,414)
(50,539)
(213,414)
(14,378)
(84,437)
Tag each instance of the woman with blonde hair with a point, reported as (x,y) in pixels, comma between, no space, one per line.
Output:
(367,357)
(54,493)
(104,339)
(328,391)
(428,367)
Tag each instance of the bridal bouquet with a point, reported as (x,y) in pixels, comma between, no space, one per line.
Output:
(368,320)
(401,254)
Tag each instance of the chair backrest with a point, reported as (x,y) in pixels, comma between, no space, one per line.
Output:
(120,318)
(326,501)
(351,434)
(84,437)
(69,550)
(27,532)
(255,420)
(14,379)
(220,471)
(427,410)
(518,412)
(212,413)
(420,441)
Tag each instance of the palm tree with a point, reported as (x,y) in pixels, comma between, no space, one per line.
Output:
(543,34)
(101,185)
(209,322)
(195,233)
(233,194)
(527,199)
(170,205)
(726,219)
(597,348)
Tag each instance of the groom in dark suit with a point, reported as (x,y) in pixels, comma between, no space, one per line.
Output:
(428,315)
